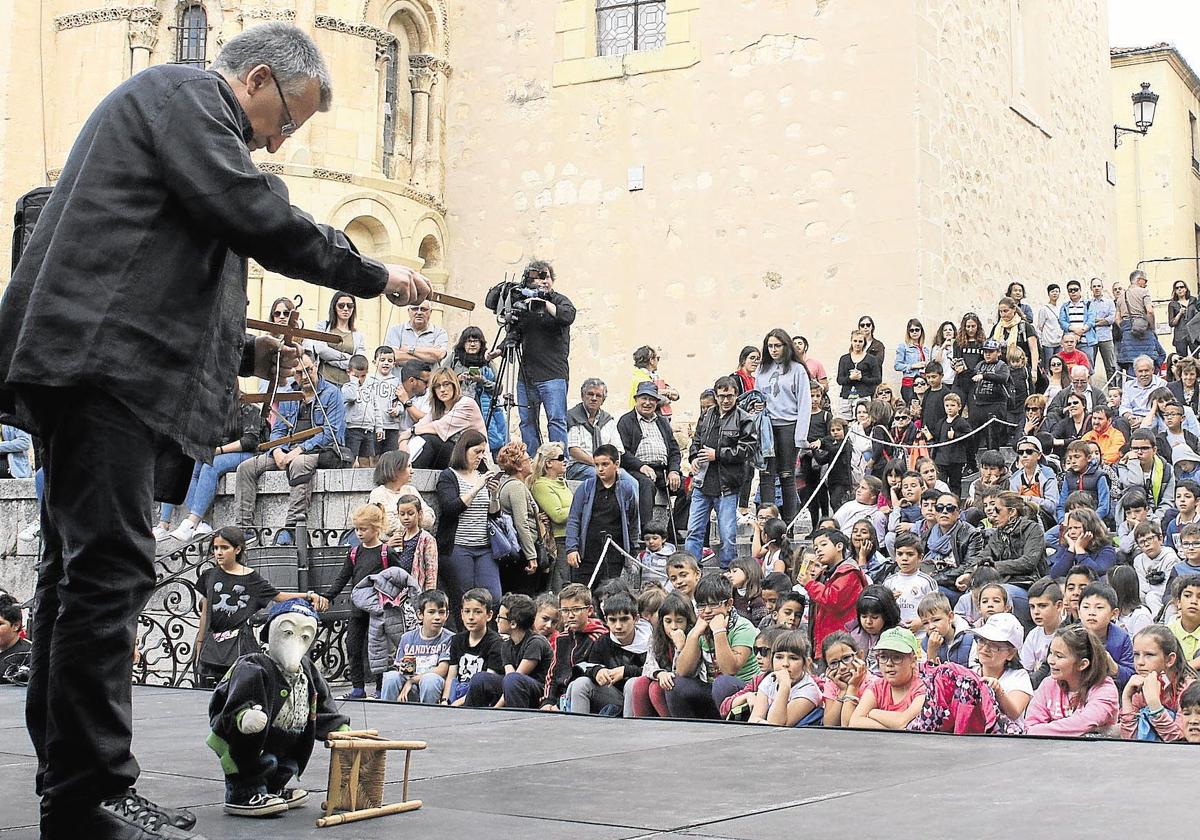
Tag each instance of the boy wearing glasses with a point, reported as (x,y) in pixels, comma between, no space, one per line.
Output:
(1145,470)
(573,646)
(1153,564)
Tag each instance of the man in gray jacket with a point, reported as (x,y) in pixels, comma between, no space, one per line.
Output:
(128,308)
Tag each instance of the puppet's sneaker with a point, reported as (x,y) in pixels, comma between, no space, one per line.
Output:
(294,797)
(258,805)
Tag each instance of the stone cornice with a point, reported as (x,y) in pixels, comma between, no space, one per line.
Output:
(359,30)
(424,61)
(147,14)
(263,13)
(374,182)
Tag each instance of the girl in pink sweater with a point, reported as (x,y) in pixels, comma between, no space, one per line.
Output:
(1150,702)
(1079,697)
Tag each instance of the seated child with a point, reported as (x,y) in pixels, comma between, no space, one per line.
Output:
(1046,610)
(948,637)
(908,583)
(1189,713)
(1078,579)
(1150,703)
(654,556)
(998,648)
(1186,625)
(683,573)
(1098,610)
(843,662)
(863,505)
(676,618)
(649,599)
(876,612)
(788,695)
(776,548)
(545,622)
(1132,615)
(906,516)
(723,642)
(746,577)
(1078,698)
(14,651)
(774,586)
(1189,564)
(789,614)
(526,657)
(1153,563)
(737,706)
(580,630)
(473,650)
(423,655)
(894,699)
(615,660)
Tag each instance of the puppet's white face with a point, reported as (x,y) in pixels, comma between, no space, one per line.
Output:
(289,639)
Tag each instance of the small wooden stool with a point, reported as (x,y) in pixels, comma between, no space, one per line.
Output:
(357,762)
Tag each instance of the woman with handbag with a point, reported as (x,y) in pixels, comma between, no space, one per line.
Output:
(553,496)
(521,572)
(467,501)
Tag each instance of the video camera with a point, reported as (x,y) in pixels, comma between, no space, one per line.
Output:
(511,299)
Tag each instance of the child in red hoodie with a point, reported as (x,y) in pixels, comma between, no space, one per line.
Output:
(833,582)
(580,629)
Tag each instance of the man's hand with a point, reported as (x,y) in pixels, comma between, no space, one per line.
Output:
(406,287)
(573,559)
(719,623)
(962,581)
(673,482)
(708,453)
(278,456)
(265,348)
(379,435)
(648,471)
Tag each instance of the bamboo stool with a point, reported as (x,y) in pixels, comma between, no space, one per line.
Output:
(357,762)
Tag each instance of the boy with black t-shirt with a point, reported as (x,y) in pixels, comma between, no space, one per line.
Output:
(14,651)
(526,656)
(615,659)
(475,650)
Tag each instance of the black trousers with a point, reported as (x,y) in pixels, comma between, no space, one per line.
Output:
(95,576)
(783,467)
(647,489)
(357,627)
(435,454)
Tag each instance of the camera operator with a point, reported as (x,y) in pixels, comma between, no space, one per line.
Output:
(545,329)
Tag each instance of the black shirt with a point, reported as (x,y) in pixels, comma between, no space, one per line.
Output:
(534,646)
(470,660)
(14,656)
(606,519)
(547,341)
(366,561)
(232,600)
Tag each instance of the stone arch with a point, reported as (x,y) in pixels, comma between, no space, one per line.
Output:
(429,234)
(372,218)
(426,17)
(430,251)
(164,51)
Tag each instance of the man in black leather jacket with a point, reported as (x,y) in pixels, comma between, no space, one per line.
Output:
(953,545)
(724,443)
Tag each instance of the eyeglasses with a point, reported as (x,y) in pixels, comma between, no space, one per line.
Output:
(1032,409)
(573,610)
(944,508)
(988,644)
(1190,545)
(1027,452)
(280,313)
(347,304)
(420,309)
(901,417)
(710,606)
(866,324)
(914,329)
(846,660)
(288,128)
(558,458)
(762,651)
(1141,448)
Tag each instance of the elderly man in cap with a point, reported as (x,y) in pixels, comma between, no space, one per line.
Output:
(651,455)
(1080,385)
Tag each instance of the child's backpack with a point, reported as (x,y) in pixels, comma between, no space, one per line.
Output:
(382,555)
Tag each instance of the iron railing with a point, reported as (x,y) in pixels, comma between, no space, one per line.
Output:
(166,630)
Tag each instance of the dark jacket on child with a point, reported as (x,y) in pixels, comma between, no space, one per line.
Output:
(571,649)
(607,652)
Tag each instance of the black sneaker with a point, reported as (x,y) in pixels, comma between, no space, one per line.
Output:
(133,817)
(294,797)
(178,817)
(258,805)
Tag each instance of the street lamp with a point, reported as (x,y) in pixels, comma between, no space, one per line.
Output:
(1144,103)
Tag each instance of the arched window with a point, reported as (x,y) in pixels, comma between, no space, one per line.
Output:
(625,26)
(191,35)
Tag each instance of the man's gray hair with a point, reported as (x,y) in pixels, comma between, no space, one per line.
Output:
(1143,358)
(593,382)
(1136,275)
(288,50)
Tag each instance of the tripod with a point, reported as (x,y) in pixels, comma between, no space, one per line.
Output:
(508,345)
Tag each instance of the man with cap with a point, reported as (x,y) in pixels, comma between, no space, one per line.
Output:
(1145,470)
(651,455)
(1076,316)
(267,712)
(1033,478)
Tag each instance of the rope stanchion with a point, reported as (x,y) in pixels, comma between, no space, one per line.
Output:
(825,478)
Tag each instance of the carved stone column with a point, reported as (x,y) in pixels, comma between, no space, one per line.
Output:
(420,77)
(434,168)
(143,36)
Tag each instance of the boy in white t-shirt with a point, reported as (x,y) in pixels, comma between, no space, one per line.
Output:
(864,504)
(909,584)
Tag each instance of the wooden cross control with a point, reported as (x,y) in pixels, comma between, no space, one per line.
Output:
(357,762)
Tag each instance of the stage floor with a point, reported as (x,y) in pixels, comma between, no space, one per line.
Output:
(506,774)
